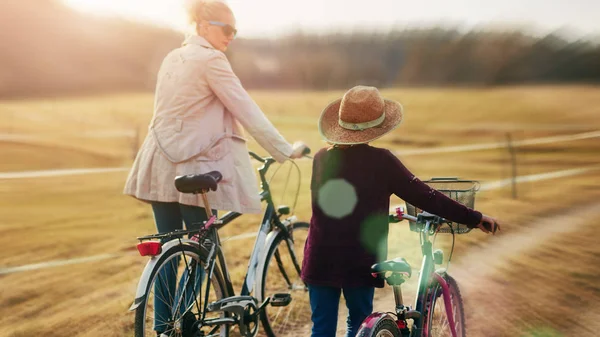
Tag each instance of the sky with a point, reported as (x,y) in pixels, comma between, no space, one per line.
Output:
(271,18)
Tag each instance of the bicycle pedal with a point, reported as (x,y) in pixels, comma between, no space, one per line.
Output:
(281,300)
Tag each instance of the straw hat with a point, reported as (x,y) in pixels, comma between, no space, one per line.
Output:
(360,116)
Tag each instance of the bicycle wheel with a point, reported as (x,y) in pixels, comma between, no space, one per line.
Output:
(175,295)
(436,318)
(382,326)
(282,276)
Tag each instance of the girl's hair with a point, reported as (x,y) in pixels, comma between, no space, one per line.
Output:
(198,10)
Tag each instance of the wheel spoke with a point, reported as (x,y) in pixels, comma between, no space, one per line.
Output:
(281,276)
(179,286)
(286,320)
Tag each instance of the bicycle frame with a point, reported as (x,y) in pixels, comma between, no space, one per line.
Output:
(269,223)
(270,220)
(426,276)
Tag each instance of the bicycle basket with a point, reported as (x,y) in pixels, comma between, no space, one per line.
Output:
(462,191)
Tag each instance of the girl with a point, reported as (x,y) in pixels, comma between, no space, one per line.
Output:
(351,187)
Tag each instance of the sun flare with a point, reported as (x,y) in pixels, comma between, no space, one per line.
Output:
(251,17)
(161,12)
(276,17)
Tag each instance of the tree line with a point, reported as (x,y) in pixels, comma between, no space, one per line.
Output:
(48,49)
(425,57)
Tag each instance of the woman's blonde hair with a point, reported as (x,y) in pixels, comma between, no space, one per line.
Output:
(198,10)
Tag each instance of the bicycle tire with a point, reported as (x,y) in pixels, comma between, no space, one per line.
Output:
(144,321)
(271,283)
(385,326)
(436,318)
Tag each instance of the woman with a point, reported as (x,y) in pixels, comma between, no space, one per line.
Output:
(199,111)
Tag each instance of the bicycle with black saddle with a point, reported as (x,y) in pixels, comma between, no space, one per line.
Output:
(201,301)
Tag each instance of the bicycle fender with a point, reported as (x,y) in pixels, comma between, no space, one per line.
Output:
(261,266)
(268,244)
(439,277)
(144,282)
(367,326)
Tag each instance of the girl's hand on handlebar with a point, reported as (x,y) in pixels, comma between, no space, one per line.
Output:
(488,224)
(299,150)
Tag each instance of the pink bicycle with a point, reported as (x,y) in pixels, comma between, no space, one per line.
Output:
(438,308)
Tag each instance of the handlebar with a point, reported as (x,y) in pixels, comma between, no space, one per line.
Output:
(262,171)
(306,152)
(399,215)
(264,160)
(259,158)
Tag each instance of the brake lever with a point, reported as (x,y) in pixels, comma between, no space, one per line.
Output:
(392,218)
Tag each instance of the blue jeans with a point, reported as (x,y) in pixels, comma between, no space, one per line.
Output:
(168,217)
(324,303)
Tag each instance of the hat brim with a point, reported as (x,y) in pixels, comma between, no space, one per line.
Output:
(330,129)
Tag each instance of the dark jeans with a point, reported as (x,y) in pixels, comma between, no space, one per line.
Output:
(324,303)
(168,217)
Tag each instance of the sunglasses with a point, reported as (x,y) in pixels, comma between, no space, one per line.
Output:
(227,29)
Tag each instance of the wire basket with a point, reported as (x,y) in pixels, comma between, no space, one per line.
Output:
(462,191)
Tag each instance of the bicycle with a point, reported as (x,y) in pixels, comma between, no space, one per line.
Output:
(272,276)
(431,317)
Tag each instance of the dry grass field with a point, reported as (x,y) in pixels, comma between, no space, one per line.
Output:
(538,277)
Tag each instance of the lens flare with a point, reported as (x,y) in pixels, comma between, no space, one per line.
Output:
(337,198)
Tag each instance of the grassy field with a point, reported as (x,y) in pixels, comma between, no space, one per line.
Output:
(64,217)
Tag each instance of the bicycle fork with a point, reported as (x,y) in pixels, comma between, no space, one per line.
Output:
(447,302)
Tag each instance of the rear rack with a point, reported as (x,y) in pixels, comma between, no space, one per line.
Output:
(178,233)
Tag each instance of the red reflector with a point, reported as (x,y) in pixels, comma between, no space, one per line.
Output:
(149,248)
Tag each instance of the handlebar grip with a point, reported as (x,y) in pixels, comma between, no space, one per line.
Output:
(306,151)
(393,218)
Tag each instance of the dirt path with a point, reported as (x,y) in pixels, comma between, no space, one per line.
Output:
(471,267)
(480,272)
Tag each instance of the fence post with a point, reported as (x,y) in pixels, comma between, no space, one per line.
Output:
(513,163)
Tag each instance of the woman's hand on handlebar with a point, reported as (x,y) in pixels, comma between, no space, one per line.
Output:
(488,224)
(299,150)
